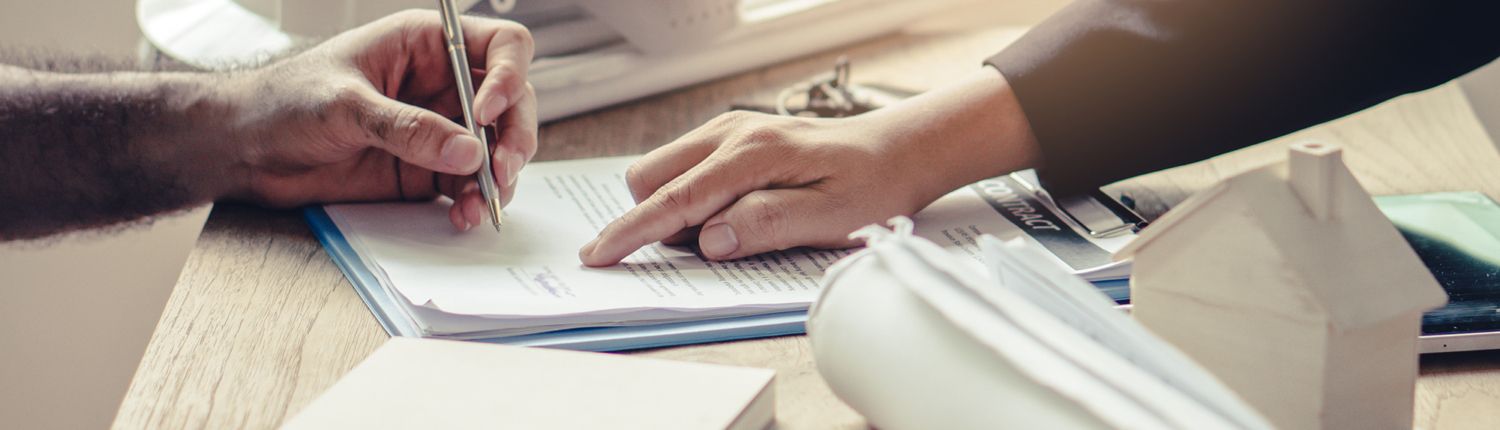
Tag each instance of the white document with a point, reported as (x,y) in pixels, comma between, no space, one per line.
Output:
(440,384)
(528,278)
(1031,334)
(1161,378)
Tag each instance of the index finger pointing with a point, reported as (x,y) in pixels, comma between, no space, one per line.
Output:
(684,202)
(663,214)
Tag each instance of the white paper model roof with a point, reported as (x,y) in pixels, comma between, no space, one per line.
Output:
(914,338)
(1341,249)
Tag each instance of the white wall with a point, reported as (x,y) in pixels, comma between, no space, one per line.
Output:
(1483,88)
(76,313)
(89,25)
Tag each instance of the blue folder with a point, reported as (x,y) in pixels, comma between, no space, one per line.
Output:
(387,310)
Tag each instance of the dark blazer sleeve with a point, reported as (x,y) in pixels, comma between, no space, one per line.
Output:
(1118,88)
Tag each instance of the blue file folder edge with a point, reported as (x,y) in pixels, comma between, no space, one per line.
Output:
(603,339)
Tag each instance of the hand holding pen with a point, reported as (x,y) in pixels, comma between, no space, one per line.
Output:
(503,101)
(369,115)
(490,190)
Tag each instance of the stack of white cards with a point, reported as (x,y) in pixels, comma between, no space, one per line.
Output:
(444,384)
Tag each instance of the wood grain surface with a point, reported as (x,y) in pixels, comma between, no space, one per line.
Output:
(1422,142)
(262,321)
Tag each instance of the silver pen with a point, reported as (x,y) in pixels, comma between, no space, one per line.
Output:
(459,54)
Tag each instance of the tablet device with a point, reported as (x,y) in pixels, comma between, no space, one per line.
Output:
(1457,235)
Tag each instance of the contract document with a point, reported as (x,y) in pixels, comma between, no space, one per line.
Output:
(528,278)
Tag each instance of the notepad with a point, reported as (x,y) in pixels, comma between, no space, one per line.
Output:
(439,385)
(525,285)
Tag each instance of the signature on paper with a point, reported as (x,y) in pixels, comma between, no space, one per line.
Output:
(552,284)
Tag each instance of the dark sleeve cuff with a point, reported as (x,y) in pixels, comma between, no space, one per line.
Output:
(1115,89)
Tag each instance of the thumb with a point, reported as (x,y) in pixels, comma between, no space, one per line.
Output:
(420,136)
(771,220)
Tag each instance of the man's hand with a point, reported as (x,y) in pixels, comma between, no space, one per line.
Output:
(748,183)
(370,115)
(363,116)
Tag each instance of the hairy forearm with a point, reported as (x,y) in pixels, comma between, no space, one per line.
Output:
(87,150)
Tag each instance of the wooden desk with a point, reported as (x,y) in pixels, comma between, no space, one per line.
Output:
(262,321)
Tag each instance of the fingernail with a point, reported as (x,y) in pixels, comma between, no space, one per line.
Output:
(513,165)
(718,241)
(462,152)
(477,215)
(588,248)
(489,111)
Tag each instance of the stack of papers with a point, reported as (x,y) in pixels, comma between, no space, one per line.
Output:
(424,278)
(1123,372)
(1038,345)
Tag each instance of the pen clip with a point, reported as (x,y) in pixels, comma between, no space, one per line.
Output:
(452,29)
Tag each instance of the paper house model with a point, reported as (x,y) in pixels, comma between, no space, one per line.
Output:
(1288,283)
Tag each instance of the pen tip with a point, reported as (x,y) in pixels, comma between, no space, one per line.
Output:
(495,213)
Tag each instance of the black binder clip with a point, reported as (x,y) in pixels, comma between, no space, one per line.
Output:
(1096,212)
(1100,214)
